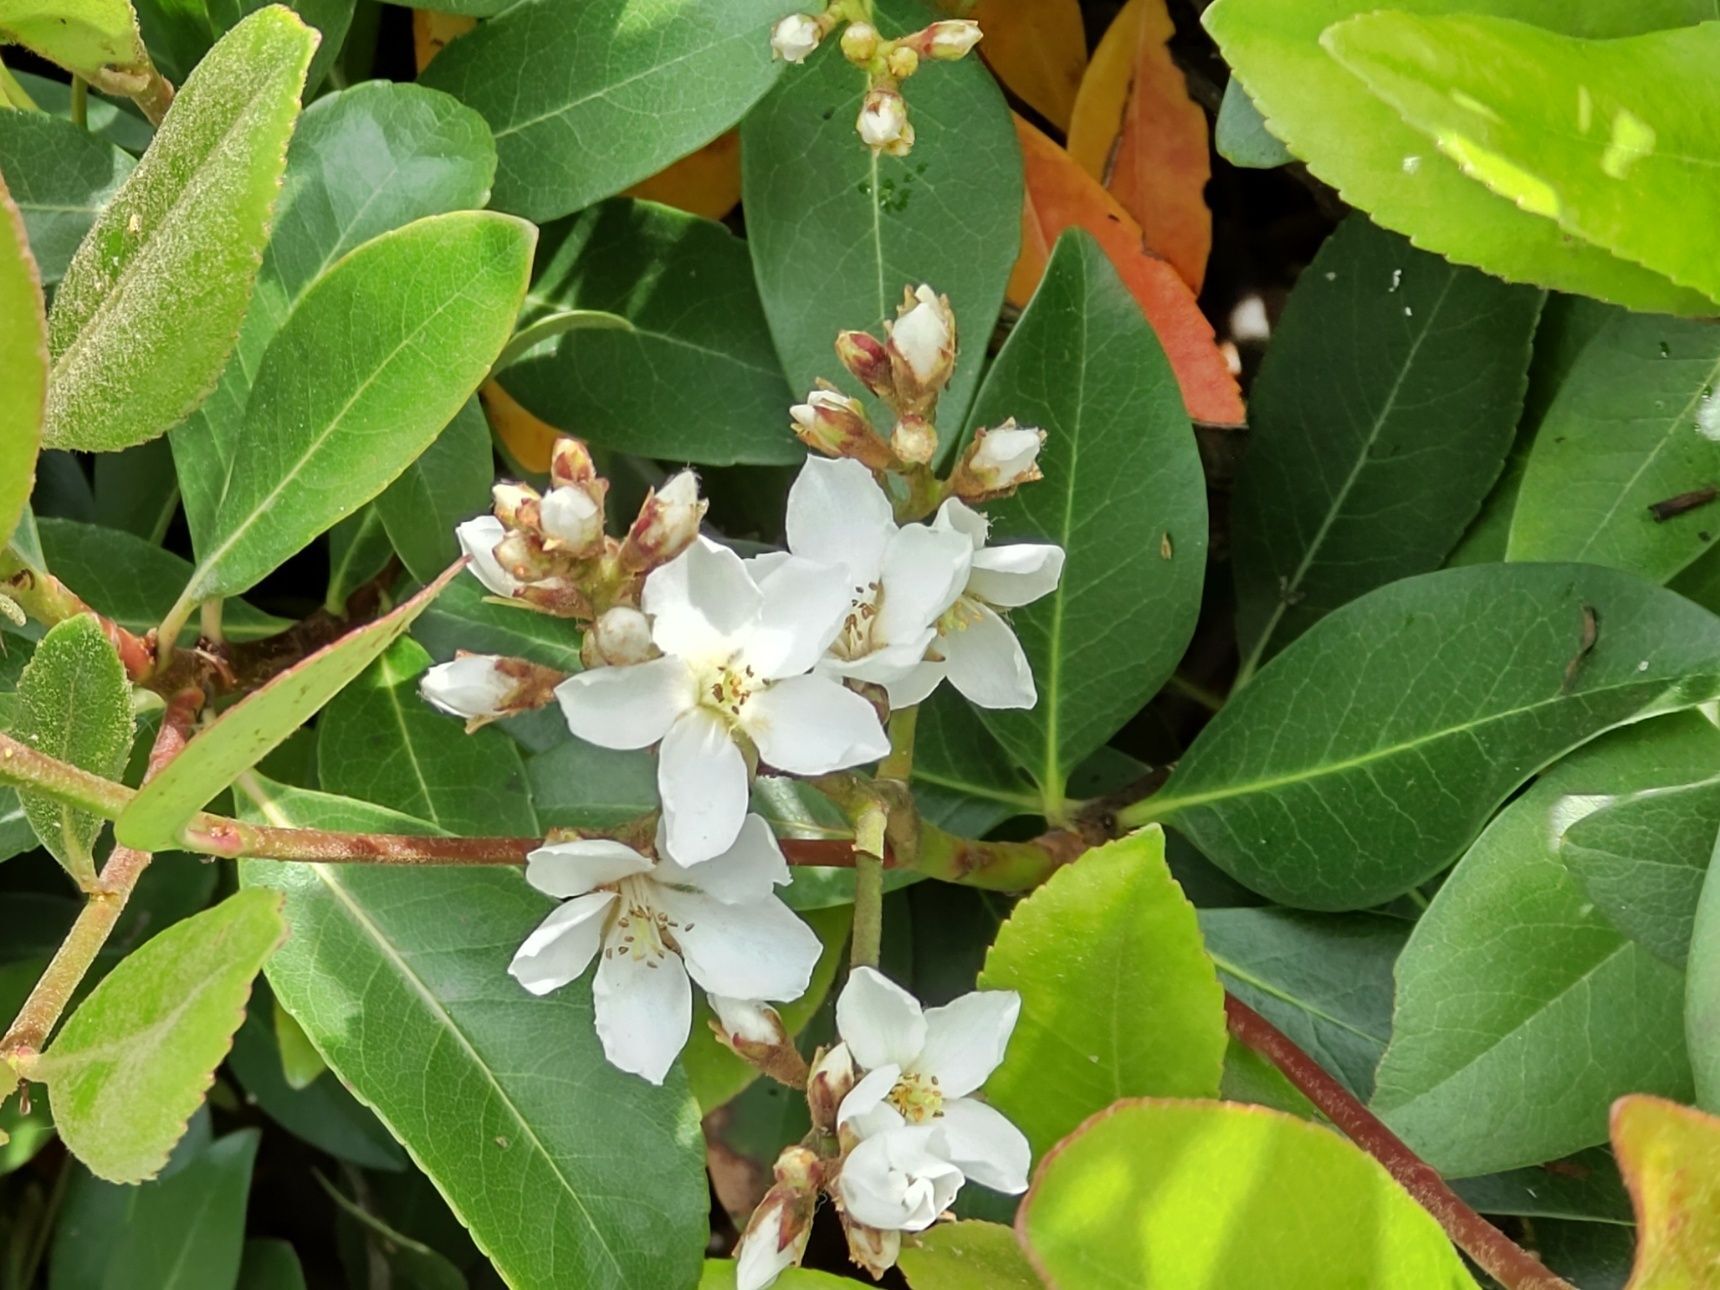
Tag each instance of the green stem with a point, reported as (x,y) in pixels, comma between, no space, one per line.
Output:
(1211,700)
(995,866)
(14,93)
(80,103)
(868,933)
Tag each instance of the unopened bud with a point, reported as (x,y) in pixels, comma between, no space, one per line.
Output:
(872,1248)
(473,686)
(922,345)
(903,62)
(620,636)
(666,525)
(570,463)
(571,519)
(883,121)
(832,423)
(479,539)
(998,462)
(796,36)
(754,1032)
(948,40)
(866,357)
(775,1236)
(833,1075)
(859,42)
(515,505)
(914,440)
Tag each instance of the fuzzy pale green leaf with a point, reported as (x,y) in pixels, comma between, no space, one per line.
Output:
(91,38)
(967,1256)
(23,363)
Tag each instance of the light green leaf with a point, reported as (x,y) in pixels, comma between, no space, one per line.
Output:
(1457,686)
(450,482)
(1380,418)
(1702,994)
(1123,495)
(1240,134)
(1521,1011)
(836,233)
(564,1169)
(362,162)
(1118,999)
(1626,163)
(91,38)
(375,359)
(74,703)
(1670,1155)
(1324,980)
(1212,1196)
(133,1062)
(185,1231)
(967,1256)
(1632,421)
(245,733)
(23,364)
(270,1264)
(149,306)
(1361,146)
(380,742)
(588,98)
(61,177)
(719,1274)
(692,377)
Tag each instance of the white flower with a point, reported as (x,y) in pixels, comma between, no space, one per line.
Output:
(923,338)
(736,653)
(980,654)
(622,635)
(1005,456)
(952,38)
(900,1180)
(655,924)
(472,686)
(479,539)
(883,121)
(899,579)
(795,37)
(571,517)
(920,1068)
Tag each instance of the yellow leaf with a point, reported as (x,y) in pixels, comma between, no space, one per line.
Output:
(1036,47)
(1670,1158)
(524,438)
(706,182)
(431,31)
(1098,114)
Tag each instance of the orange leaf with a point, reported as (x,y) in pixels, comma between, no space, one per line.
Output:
(1061,195)
(524,438)
(1036,47)
(431,31)
(1670,1158)
(706,182)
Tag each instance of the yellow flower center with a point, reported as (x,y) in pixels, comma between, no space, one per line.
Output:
(917,1097)
(727,687)
(640,930)
(855,639)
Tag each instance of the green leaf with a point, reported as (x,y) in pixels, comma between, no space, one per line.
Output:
(1642,858)
(412,1262)
(692,376)
(564,1169)
(133,1062)
(375,359)
(358,550)
(1240,134)
(967,1256)
(1584,1187)
(1521,1011)
(588,98)
(185,1231)
(1457,686)
(134,581)
(836,233)
(1361,146)
(1123,495)
(74,703)
(363,162)
(1379,421)
(1631,421)
(61,177)
(719,1274)
(23,364)
(120,123)
(1702,993)
(180,32)
(1118,999)
(137,490)
(1211,1196)
(1635,175)
(380,742)
(466,617)
(1324,980)
(270,1264)
(95,39)
(450,482)
(150,304)
(263,720)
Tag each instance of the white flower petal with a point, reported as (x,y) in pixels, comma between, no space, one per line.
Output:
(644,1012)
(811,725)
(748,1019)
(564,869)
(469,686)
(885,665)
(985,661)
(804,604)
(985,1146)
(750,870)
(924,571)
(478,539)
(1017,574)
(869,1093)
(761,1257)
(879,1021)
(702,779)
(966,1039)
(917,685)
(756,951)
(837,515)
(701,602)
(895,1181)
(561,946)
(956,516)
(570,515)
(627,707)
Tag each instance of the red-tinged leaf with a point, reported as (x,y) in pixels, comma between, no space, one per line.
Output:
(1038,48)
(1670,1158)
(1061,195)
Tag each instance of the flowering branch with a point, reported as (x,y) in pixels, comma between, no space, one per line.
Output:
(1500,1257)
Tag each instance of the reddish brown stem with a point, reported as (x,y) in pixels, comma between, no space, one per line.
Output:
(1500,1257)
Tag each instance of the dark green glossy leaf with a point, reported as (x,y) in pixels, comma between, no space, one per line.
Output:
(138,490)
(1585,1187)
(466,617)
(60,176)
(450,482)
(270,1265)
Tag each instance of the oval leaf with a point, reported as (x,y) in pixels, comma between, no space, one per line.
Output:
(1702,993)
(133,1062)
(1670,1156)
(23,364)
(967,1256)
(61,177)
(147,312)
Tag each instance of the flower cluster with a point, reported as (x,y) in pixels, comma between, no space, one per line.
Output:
(883,122)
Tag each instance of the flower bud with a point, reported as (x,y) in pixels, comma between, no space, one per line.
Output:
(883,120)
(950,39)
(914,440)
(515,505)
(903,62)
(871,1248)
(796,36)
(922,345)
(571,519)
(473,686)
(775,1236)
(666,525)
(479,539)
(859,43)
(832,423)
(619,637)
(833,1075)
(864,356)
(570,463)
(754,1032)
(998,461)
